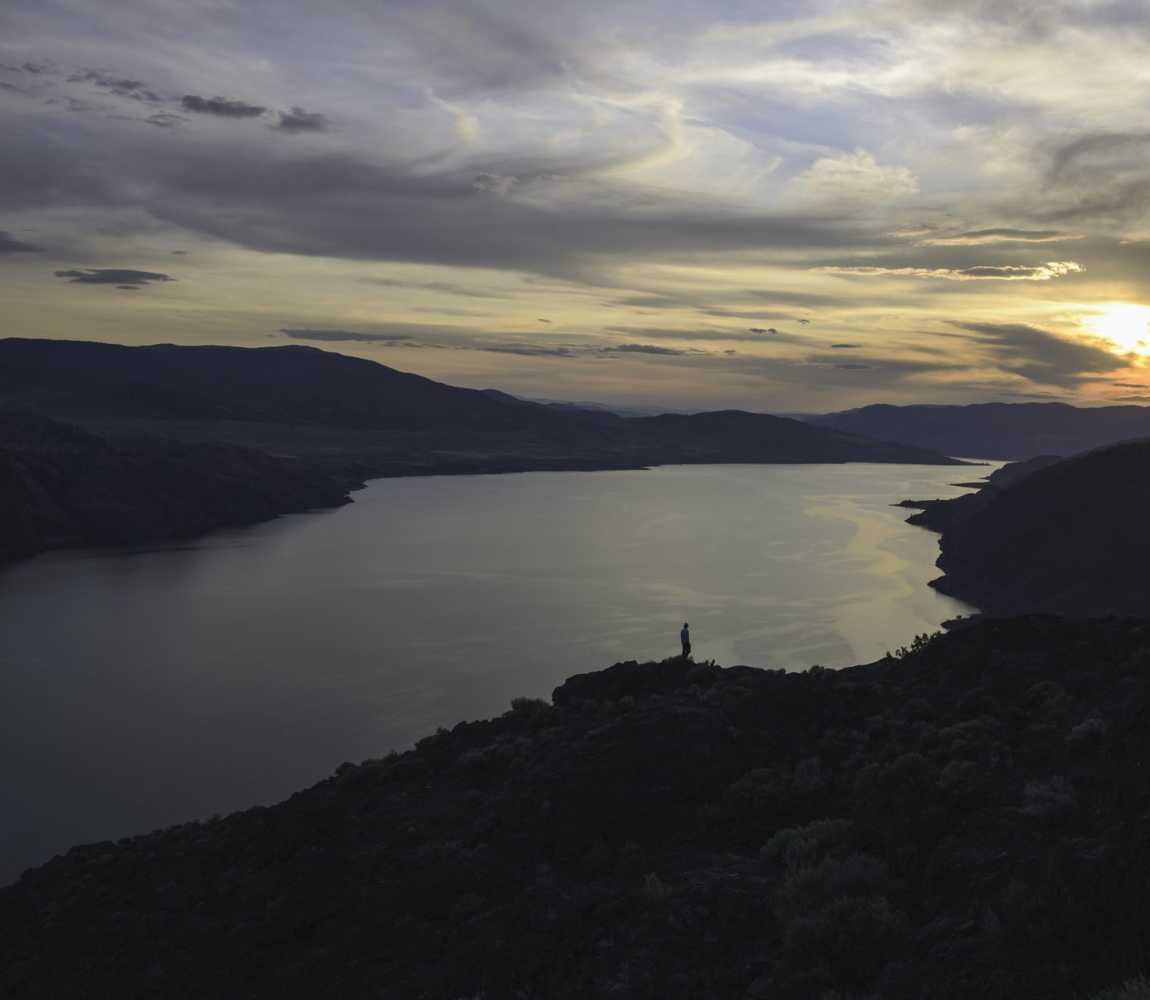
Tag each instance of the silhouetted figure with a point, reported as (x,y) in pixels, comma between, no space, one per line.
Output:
(685,639)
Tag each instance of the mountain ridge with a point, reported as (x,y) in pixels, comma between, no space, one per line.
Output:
(995,430)
(305,401)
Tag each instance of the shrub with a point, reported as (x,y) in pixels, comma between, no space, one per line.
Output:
(1132,989)
(1090,730)
(1049,798)
(798,846)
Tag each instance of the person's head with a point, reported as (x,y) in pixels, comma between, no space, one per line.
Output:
(685,625)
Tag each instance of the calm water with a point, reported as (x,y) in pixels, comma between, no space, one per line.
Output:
(140,689)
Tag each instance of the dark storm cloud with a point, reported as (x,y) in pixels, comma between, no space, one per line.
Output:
(9,244)
(299,120)
(1041,356)
(112,276)
(221,106)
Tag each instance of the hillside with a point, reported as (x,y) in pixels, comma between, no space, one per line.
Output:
(60,486)
(1071,537)
(996,430)
(967,821)
(307,402)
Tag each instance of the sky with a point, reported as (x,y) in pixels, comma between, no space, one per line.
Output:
(792,206)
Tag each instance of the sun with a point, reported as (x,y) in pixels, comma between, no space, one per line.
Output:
(1124,325)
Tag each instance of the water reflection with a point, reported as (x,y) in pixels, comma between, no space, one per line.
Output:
(141,689)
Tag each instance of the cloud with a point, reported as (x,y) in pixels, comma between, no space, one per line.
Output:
(703,334)
(762,329)
(299,120)
(1041,356)
(112,276)
(428,336)
(351,336)
(985,237)
(118,85)
(443,287)
(853,178)
(1003,272)
(1132,399)
(9,244)
(529,350)
(844,347)
(221,106)
(645,349)
(165,119)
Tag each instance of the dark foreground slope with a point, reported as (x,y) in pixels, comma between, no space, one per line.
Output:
(306,402)
(996,430)
(60,486)
(972,820)
(1072,537)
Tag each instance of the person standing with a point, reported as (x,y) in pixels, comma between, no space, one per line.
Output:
(685,639)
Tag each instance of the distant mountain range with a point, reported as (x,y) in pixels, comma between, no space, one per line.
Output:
(995,430)
(303,401)
(1068,536)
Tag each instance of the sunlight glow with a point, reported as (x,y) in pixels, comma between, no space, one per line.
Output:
(1124,325)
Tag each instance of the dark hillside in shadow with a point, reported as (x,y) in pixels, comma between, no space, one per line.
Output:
(969,820)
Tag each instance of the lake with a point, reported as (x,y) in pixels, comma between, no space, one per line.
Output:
(144,688)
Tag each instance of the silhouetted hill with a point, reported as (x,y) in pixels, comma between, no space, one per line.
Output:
(303,401)
(738,436)
(996,430)
(1072,536)
(60,486)
(969,821)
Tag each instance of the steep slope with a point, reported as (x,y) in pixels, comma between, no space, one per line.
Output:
(1071,537)
(969,821)
(62,487)
(996,430)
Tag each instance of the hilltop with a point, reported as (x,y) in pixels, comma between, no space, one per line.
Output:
(965,819)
